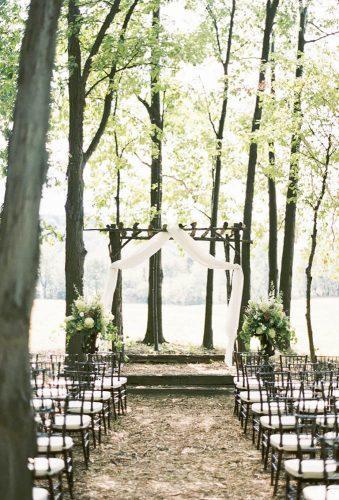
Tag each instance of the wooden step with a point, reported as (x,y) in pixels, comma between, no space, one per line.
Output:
(188,380)
(174,358)
(179,390)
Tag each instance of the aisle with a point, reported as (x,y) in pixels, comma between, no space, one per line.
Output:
(175,447)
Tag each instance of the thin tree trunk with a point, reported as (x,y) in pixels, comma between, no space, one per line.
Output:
(271,9)
(75,248)
(219,133)
(19,246)
(154,317)
(291,197)
(116,252)
(273,232)
(272,203)
(308,269)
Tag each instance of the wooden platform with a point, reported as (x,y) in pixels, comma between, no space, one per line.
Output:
(193,378)
(174,358)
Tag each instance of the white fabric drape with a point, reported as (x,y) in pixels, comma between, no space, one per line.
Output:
(149,248)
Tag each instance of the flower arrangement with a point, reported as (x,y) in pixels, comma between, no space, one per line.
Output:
(267,321)
(89,319)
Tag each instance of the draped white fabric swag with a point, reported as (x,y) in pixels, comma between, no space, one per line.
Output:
(145,251)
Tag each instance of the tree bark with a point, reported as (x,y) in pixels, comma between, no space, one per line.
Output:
(273,232)
(271,9)
(19,245)
(75,248)
(287,258)
(308,270)
(272,203)
(116,252)
(154,331)
(219,133)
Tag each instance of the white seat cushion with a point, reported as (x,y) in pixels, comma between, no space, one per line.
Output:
(309,406)
(42,404)
(72,422)
(331,392)
(285,421)
(52,392)
(331,436)
(53,443)
(289,442)
(40,494)
(320,492)
(251,383)
(311,469)
(266,408)
(43,466)
(97,395)
(254,396)
(296,393)
(86,406)
(106,383)
(327,420)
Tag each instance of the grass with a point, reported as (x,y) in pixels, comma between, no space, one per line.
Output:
(183,325)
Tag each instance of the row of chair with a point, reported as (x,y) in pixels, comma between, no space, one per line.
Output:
(293,408)
(74,400)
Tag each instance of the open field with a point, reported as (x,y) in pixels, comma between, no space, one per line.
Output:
(184,324)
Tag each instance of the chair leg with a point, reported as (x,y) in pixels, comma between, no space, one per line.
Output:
(93,432)
(103,416)
(85,446)
(246,417)
(267,451)
(277,474)
(114,406)
(259,436)
(68,459)
(125,392)
(109,413)
(299,483)
(272,466)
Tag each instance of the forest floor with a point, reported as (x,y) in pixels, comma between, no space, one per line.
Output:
(187,447)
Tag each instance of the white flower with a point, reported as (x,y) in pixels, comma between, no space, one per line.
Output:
(79,327)
(80,305)
(271,333)
(82,314)
(110,317)
(68,318)
(89,323)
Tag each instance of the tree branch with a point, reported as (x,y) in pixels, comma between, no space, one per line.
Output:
(321,37)
(99,39)
(95,84)
(145,103)
(216,29)
(109,96)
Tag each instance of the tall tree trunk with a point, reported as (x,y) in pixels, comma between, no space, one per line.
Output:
(219,133)
(271,9)
(308,269)
(78,158)
(291,197)
(19,245)
(272,202)
(154,316)
(75,248)
(116,253)
(273,232)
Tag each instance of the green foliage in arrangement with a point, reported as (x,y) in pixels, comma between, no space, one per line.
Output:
(266,320)
(89,319)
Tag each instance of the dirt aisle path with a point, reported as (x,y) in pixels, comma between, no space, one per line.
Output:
(175,447)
